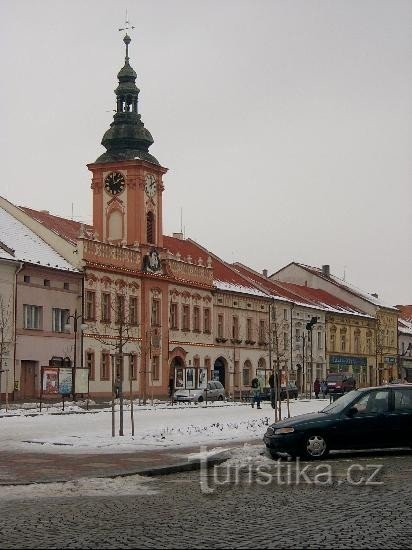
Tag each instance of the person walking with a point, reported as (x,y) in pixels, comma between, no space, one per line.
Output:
(272,386)
(316,388)
(324,388)
(256,390)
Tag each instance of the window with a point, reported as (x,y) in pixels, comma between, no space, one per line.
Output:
(174,325)
(106,307)
(369,345)
(249,335)
(133,367)
(155,312)
(285,314)
(206,320)
(235,328)
(356,342)
(297,334)
(392,338)
(119,308)
(332,341)
(150,228)
(285,341)
(196,319)
(66,286)
(320,340)
(343,342)
(403,400)
(186,318)
(90,305)
(155,368)
(374,402)
(105,366)
(26,278)
(196,362)
(90,364)
(119,373)
(32,316)
(261,331)
(133,310)
(246,376)
(46,282)
(220,326)
(59,319)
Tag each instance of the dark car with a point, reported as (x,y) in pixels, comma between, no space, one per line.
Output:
(367,418)
(339,382)
(292,390)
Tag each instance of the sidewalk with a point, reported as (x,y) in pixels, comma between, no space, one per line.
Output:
(19,468)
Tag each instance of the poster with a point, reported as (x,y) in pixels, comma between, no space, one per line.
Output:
(65,381)
(202,381)
(261,375)
(190,378)
(179,383)
(81,384)
(51,381)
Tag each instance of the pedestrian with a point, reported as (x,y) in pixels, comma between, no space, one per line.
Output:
(324,388)
(256,390)
(272,386)
(316,388)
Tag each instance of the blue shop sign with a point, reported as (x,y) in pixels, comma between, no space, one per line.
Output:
(345,360)
(390,360)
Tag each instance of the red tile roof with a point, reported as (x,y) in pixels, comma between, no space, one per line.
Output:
(406,312)
(68,229)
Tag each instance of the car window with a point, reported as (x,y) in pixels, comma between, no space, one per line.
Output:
(334,378)
(210,386)
(341,403)
(374,402)
(218,385)
(403,399)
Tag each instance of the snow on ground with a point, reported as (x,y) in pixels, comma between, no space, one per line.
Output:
(156,427)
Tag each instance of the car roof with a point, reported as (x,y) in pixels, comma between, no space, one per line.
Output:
(399,386)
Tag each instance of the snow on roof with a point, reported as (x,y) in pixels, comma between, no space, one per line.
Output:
(302,295)
(346,286)
(405,327)
(27,246)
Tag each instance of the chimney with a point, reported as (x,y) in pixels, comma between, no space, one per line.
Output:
(178,236)
(265,273)
(326,270)
(375,295)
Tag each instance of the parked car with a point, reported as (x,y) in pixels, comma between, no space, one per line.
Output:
(367,418)
(339,382)
(292,389)
(213,391)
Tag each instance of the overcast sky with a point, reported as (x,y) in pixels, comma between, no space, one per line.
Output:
(286,125)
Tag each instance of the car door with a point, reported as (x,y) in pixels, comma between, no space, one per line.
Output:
(400,417)
(368,427)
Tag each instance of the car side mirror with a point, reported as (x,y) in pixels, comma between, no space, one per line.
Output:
(352,411)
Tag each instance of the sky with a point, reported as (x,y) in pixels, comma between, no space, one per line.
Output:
(286,125)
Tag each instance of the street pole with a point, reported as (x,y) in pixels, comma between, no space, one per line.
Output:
(304,367)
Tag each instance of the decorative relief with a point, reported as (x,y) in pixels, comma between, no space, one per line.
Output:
(116,256)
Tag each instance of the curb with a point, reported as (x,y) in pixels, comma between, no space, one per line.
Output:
(189,466)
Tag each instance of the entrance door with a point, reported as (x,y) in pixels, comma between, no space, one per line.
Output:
(28,379)
(219,368)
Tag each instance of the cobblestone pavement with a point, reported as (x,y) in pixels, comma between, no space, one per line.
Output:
(232,515)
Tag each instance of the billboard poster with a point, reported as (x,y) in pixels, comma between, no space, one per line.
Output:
(179,382)
(81,380)
(190,378)
(202,381)
(50,381)
(65,381)
(261,375)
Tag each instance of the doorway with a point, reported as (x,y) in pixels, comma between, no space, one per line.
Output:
(28,379)
(220,370)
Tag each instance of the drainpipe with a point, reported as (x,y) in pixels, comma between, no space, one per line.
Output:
(21,265)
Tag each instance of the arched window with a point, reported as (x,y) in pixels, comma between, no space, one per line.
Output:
(150,228)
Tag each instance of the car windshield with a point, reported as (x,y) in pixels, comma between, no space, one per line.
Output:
(334,377)
(341,403)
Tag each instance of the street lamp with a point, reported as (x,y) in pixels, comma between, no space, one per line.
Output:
(75,316)
(309,327)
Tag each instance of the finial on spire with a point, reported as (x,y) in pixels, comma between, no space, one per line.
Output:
(127,39)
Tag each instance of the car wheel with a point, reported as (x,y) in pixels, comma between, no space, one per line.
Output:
(200,399)
(315,447)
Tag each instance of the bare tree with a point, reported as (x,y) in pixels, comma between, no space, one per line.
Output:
(279,351)
(6,332)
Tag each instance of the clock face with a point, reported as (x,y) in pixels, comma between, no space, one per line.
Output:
(114,183)
(150,185)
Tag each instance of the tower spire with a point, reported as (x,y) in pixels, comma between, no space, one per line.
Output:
(127,138)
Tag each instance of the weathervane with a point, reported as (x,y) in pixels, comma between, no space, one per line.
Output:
(127,25)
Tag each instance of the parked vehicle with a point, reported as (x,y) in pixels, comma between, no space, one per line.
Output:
(213,391)
(340,382)
(367,418)
(292,389)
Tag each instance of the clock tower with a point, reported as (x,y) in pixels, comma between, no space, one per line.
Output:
(127,180)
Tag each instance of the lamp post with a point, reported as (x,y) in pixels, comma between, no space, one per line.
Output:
(309,327)
(75,316)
